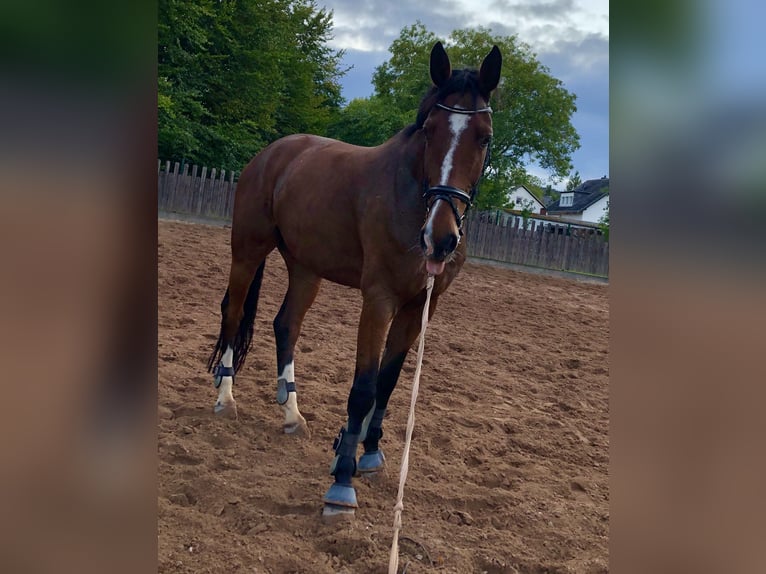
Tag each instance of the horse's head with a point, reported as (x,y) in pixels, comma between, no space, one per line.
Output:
(457,123)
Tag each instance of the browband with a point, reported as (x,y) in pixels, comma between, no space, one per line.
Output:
(487,110)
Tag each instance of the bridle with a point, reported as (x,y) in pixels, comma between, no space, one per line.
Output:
(447,192)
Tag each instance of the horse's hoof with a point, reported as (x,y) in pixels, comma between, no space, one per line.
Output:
(371,463)
(299,427)
(332,514)
(226,410)
(340,495)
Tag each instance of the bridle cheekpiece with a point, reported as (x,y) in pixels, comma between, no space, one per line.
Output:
(447,192)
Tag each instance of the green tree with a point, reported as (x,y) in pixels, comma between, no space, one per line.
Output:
(367,122)
(533,110)
(403,80)
(574,181)
(234,75)
(603,222)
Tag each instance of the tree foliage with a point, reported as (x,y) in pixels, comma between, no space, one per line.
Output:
(574,181)
(532,119)
(234,75)
(603,222)
(367,122)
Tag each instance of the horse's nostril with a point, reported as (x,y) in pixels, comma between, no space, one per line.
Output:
(423,241)
(445,246)
(452,243)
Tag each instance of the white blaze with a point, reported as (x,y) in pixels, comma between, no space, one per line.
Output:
(457,124)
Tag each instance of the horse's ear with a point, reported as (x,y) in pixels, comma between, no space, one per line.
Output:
(489,75)
(440,66)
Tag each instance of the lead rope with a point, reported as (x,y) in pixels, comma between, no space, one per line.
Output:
(393,561)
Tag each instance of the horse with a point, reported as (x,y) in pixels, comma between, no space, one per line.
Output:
(379,219)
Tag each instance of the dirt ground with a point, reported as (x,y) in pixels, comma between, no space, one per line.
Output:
(510,455)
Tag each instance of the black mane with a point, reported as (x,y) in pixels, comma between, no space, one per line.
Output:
(461,81)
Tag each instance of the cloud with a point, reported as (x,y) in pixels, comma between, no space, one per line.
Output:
(532,9)
(369,25)
(577,54)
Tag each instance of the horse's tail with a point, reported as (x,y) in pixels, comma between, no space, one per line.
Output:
(243,338)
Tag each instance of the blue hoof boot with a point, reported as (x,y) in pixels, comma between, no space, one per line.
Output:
(341,495)
(371,462)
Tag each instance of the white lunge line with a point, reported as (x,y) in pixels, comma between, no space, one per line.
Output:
(393,561)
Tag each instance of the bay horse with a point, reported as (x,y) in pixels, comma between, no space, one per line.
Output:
(379,219)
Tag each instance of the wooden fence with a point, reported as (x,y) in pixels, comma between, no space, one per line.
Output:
(188,190)
(575,250)
(196,193)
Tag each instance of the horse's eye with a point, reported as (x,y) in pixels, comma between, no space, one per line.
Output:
(484,142)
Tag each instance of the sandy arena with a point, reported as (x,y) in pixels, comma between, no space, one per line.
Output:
(510,455)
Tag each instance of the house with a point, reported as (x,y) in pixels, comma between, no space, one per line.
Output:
(587,202)
(521,198)
(515,218)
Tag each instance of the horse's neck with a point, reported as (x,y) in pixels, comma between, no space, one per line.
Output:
(407,151)
(409,209)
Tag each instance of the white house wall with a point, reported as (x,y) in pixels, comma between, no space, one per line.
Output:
(526,196)
(597,210)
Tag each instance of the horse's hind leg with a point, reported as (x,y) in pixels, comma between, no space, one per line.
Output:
(236,330)
(403,333)
(301,292)
(250,247)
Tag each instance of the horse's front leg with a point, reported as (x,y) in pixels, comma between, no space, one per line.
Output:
(378,310)
(403,333)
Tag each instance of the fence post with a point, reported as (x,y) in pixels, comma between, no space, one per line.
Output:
(202,190)
(230,190)
(185,187)
(211,188)
(174,185)
(219,193)
(565,258)
(161,184)
(193,191)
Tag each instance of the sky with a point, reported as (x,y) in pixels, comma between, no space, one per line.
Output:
(570,37)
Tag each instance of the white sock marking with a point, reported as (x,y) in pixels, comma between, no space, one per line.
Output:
(288,373)
(224,391)
(228,357)
(292,414)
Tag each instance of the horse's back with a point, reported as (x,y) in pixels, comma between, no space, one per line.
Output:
(293,157)
(308,188)
(254,196)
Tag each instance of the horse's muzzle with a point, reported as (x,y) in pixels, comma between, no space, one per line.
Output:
(436,252)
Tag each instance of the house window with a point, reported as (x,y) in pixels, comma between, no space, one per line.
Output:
(567,200)
(518,201)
